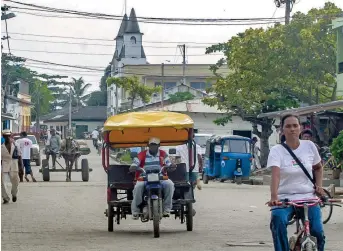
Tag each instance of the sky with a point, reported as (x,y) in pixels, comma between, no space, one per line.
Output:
(155,35)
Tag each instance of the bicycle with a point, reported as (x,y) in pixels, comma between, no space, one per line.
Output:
(322,206)
(302,239)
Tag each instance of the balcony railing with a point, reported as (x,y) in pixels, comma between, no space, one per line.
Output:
(156,97)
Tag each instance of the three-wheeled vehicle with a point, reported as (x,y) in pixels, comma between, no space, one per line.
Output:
(134,130)
(227,158)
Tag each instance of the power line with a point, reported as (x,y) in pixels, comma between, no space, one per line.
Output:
(234,23)
(111,40)
(105,45)
(106,54)
(68,11)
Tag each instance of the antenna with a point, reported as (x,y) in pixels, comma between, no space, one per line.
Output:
(125,5)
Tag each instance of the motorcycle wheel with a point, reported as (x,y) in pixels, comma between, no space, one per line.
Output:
(156,218)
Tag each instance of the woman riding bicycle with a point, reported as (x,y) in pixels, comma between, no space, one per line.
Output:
(290,181)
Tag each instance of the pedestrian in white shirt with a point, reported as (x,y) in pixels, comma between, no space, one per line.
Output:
(11,163)
(183,153)
(25,145)
(95,137)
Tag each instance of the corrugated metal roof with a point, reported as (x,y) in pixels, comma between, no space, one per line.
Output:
(194,106)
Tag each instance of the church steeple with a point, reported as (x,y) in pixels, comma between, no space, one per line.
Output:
(123,26)
(132,25)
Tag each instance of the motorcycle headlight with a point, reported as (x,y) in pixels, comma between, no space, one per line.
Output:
(153,177)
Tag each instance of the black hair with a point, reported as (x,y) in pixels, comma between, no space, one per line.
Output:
(307,131)
(23,134)
(254,138)
(283,138)
(288,116)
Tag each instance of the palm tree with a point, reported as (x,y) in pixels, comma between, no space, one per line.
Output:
(78,89)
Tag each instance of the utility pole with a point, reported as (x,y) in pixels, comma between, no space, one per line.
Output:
(183,52)
(70,126)
(288,8)
(5,16)
(162,84)
(288,11)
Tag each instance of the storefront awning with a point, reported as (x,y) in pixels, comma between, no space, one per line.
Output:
(7,116)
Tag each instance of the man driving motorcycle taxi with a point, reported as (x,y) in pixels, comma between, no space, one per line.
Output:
(152,157)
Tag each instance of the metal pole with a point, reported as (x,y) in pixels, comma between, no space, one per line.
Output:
(162,84)
(184,63)
(288,11)
(117,100)
(70,127)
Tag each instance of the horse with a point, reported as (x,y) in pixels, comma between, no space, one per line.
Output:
(70,151)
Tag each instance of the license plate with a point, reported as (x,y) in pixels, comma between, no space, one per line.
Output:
(153,177)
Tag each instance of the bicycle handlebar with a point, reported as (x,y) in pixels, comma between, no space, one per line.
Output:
(310,202)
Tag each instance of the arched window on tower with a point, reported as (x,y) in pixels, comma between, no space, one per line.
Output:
(133,40)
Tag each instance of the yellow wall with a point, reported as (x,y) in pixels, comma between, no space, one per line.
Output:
(25,111)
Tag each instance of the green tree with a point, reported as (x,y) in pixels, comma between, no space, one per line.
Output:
(78,89)
(41,97)
(271,70)
(180,96)
(134,87)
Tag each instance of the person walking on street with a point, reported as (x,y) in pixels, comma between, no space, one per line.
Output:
(95,137)
(25,145)
(53,146)
(255,150)
(11,163)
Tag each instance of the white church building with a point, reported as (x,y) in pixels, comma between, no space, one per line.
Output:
(129,59)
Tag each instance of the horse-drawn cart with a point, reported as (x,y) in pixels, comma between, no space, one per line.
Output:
(71,160)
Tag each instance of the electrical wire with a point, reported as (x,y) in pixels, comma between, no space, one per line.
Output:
(91,44)
(68,11)
(112,40)
(105,54)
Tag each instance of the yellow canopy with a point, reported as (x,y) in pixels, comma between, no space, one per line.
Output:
(136,128)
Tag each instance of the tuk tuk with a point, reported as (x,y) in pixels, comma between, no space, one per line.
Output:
(134,130)
(227,158)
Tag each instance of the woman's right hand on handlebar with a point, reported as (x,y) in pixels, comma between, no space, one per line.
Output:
(273,201)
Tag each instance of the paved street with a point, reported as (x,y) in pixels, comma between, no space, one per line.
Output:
(64,216)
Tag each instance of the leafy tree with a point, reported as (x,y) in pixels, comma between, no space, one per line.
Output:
(78,89)
(276,69)
(41,97)
(134,87)
(180,96)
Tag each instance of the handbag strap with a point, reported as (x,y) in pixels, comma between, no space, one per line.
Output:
(299,163)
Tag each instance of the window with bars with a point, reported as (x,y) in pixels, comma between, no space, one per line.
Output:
(167,85)
(200,85)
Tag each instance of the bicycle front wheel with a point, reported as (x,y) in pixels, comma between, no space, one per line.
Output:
(326,209)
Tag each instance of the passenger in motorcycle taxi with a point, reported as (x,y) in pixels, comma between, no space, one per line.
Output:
(152,157)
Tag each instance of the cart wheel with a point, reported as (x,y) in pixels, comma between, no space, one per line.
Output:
(45,170)
(238,180)
(156,218)
(205,179)
(110,216)
(76,165)
(38,161)
(84,170)
(189,217)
